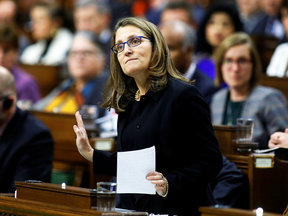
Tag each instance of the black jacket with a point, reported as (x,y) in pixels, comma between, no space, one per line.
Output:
(177,122)
(26,151)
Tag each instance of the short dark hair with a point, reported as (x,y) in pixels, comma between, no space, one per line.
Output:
(54,9)
(285,4)
(92,38)
(101,7)
(181,5)
(202,45)
(9,36)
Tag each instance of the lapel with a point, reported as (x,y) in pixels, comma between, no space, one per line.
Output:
(122,120)
(7,139)
(219,107)
(253,96)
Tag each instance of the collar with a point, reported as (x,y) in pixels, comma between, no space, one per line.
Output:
(156,95)
(190,72)
(105,35)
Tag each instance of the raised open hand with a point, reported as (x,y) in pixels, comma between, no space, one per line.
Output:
(82,141)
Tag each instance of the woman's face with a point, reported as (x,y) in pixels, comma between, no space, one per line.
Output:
(42,24)
(84,62)
(134,61)
(237,67)
(218,27)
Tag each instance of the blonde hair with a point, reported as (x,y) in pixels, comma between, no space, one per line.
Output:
(234,40)
(120,88)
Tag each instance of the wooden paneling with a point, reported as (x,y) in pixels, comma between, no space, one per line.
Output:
(55,194)
(225,135)
(276,82)
(20,207)
(268,186)
(47,77)
(266,47)
(66,155)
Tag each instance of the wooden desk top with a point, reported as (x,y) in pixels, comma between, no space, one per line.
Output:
(55,194)
(56,188)
(20,207)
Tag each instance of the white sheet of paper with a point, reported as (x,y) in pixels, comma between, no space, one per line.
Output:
(132,168)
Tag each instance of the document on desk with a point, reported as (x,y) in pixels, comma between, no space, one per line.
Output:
(132,168)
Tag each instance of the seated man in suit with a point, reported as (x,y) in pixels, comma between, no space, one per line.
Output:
(86,63)
(180,39)
(26,145)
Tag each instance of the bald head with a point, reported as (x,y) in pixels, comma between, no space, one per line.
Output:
(7,82)
(180,39)
(8,10)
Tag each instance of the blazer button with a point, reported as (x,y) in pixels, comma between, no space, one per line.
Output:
(138,126)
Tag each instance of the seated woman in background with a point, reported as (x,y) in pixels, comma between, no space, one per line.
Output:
(218,23)
(26,86)
(238,65)
(86,61)
(52,40)
(278,65)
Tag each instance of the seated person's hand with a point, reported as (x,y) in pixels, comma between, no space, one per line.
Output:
(279,139)
(82,140)
(160,182)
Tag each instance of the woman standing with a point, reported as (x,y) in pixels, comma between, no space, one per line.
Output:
(157,107)
(238,65)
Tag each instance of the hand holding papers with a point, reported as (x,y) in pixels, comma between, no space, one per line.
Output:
(132,168)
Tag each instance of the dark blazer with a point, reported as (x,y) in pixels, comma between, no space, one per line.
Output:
(231,187)
(95,96)
(177,122)
(26,151)
(204,84)
(260,28)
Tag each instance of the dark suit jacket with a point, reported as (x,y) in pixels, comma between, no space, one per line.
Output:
(260,28)
(230,187)
(204,84)
(177,122)
(95,96)
(26,151)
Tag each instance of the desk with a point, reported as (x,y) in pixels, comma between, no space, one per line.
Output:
(55,194)
(268,186)
(66,155)
(225,136)
(21,207)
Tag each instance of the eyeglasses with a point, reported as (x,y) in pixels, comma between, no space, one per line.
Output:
(84,53)
(240,62)
(132,42)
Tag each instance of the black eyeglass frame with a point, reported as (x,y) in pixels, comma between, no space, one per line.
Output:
(128,43)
